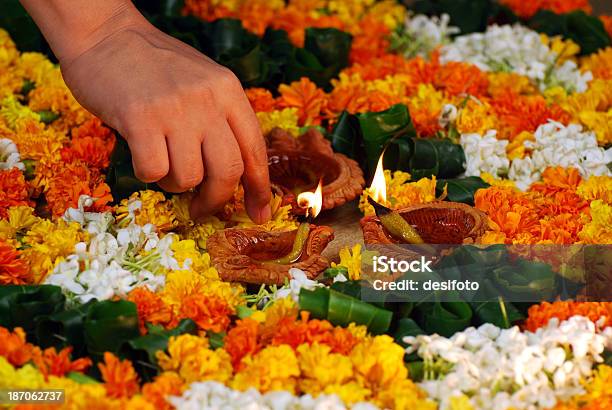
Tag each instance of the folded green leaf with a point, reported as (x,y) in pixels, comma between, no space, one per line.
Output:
(461,189)
(108,325)
(444,318)
(341,309)
(21,306)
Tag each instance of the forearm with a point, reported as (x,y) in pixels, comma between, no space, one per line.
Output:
(72,26)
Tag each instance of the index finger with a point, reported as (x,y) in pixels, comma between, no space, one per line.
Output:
(256,180)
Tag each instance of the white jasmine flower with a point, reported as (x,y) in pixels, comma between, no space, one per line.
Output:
(9,155)
(448,115)
(506,368)
(298,281)
(422,34)
(212,395)
(558,145)
(516,49)
(485,154)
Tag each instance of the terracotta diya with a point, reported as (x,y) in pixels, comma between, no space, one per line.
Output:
(432,223)
(297,164)
(257,256)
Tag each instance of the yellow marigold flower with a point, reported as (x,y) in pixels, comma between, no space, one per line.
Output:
(59,100)
(600,63)
(191,358)
(379,361)
(273,368)
(186,253)
(286,119)
(181,284)
(26,377)
(189,229)
(35,141)
(600,123)
(359,331)
(281,218)
(516,147)
(48,243)
(8,50)
(500,82)
(351,392)
(349,11)
(351,259)
(460,403)
(492,238)
(19,220)
(390,12)
(321,368)
(599,230)
(87,396)
(565,49)
(35,67)
(394,86)
(12,111)
(154,209)
(404,395)
(475,117)
(556,94)
(281,308)
(493,181)
(596,187)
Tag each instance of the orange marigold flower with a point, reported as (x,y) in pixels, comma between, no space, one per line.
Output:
(151,308)
(261,99)
(524,113)
(461,78)
(306,97)
(13,190)
(371,42)
(540,314)
(210,312)
(242,340)
(52,363)
(164,385)
(526,9)
(13,269)
(555,179)
(68,181)
(14,348)
(120,378)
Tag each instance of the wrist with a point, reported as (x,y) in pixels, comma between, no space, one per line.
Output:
(74,26)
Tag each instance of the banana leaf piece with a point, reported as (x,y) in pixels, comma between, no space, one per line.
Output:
(586,31)
(108,325)
(444,318)
(20,306)
(341,309)
(500,313)
(346,137)
(526,281)
(461,189)
(436,156)
(64,328)
(469,15)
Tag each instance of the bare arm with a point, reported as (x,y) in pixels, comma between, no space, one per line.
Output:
(186,119)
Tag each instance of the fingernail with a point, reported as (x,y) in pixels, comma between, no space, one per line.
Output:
(265,214)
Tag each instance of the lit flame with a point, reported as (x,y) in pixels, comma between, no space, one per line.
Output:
(378,189)
(312,201)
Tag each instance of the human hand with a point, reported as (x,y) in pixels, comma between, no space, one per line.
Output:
(186,119)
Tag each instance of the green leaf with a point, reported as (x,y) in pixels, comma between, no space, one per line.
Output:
(108,325)
(587,31)
(494,312)
(341,309)
(406,327)
(444,318)
(378,128)
(81,378)
(160,7)
(526,281)
(64,328)
(346,137)
(21,306)
(461,189)
(469,15)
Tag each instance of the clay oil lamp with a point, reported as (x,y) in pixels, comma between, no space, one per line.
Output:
(257,256)
(297,164)
(431,223)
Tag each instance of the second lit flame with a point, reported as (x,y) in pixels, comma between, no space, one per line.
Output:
(312,201)
(378,189)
